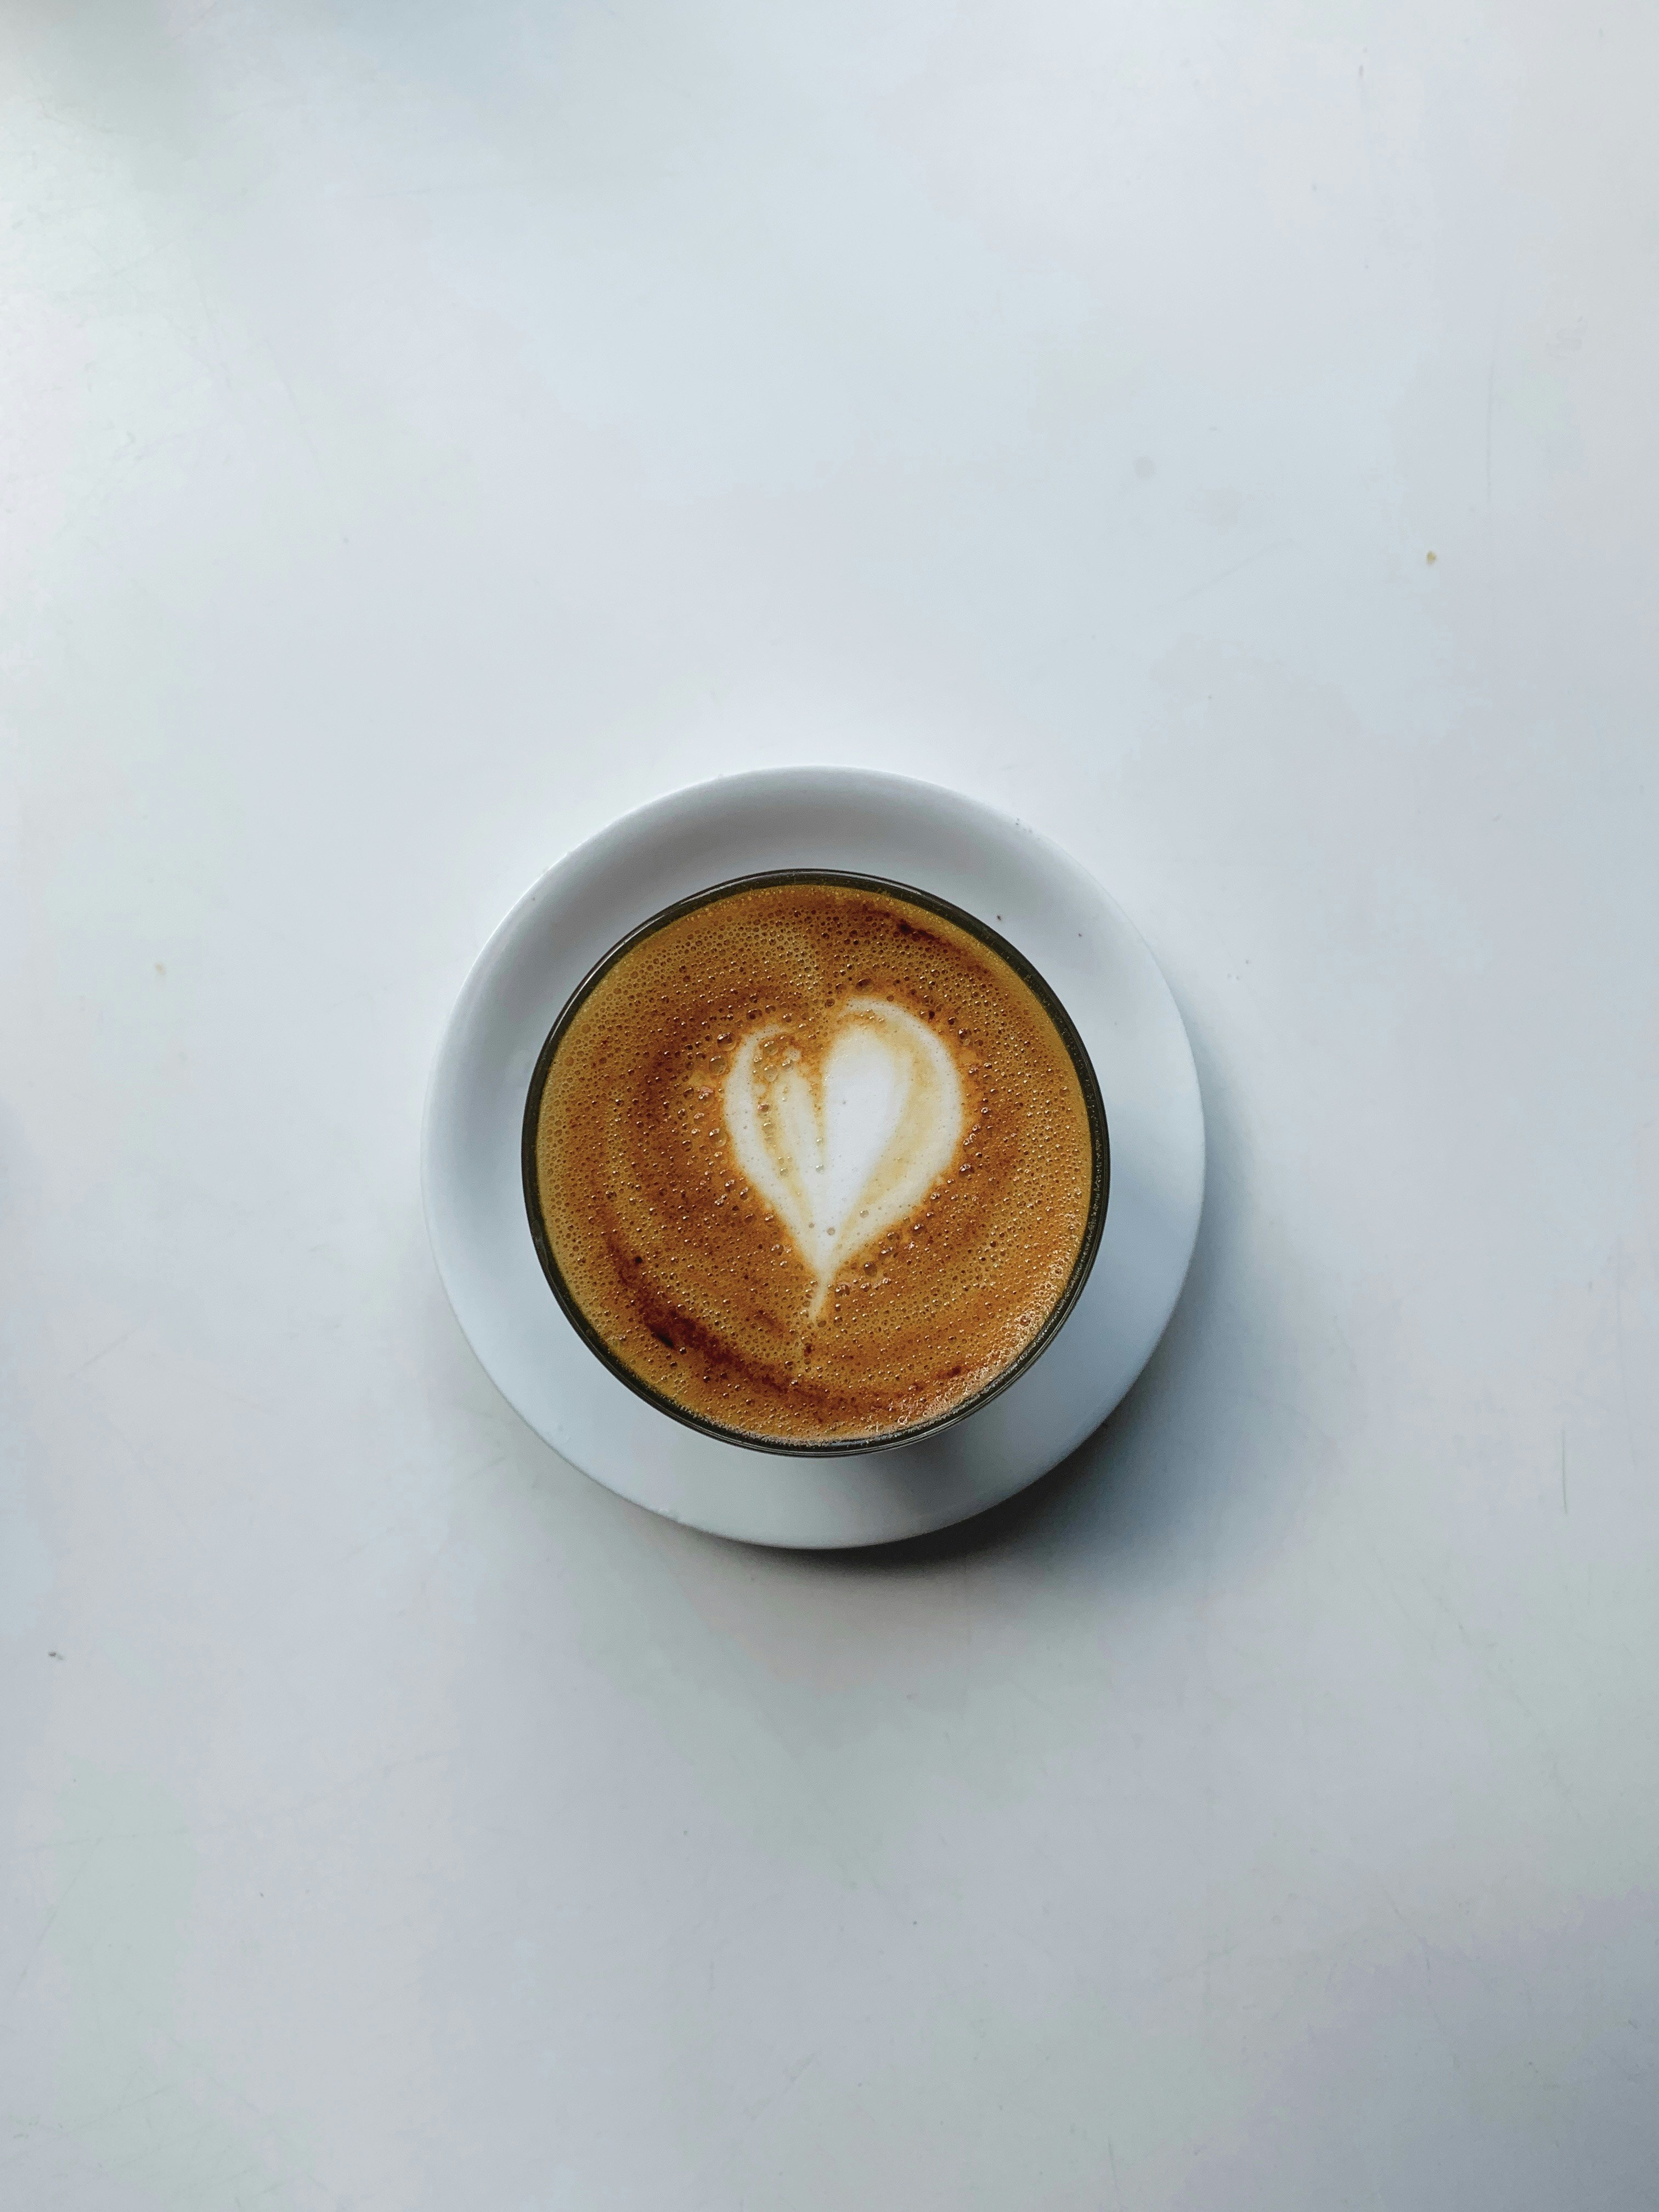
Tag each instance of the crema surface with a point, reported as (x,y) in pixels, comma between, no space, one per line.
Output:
(814,1163)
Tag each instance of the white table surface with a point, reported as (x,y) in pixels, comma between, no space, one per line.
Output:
(1222,434)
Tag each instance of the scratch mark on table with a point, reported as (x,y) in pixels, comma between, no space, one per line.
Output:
(104,1351)
(1237,568)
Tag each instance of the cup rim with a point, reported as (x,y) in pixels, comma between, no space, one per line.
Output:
(1094,1107)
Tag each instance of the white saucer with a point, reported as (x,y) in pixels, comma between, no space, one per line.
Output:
(868,824)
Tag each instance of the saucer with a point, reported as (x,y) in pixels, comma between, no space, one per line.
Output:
(864,824)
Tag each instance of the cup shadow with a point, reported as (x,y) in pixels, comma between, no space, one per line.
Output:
(1145,1471)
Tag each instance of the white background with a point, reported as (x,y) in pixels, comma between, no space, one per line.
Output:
(429,429)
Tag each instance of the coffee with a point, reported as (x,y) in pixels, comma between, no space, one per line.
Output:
(813,1163)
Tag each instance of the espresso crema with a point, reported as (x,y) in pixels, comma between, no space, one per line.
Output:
(813,1163)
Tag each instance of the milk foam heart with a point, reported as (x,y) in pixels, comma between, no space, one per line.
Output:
(841,1152)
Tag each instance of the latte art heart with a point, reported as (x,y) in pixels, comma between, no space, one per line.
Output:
(842,1151)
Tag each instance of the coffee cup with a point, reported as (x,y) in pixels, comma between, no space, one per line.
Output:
(815,1163)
